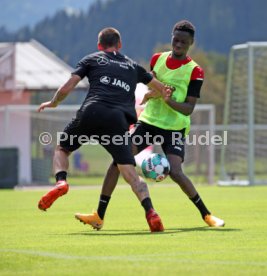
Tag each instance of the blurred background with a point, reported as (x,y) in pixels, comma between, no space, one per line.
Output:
(41,41)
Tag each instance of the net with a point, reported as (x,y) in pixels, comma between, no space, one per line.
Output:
(243,159)
(35,136)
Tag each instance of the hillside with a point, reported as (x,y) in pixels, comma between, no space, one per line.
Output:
(17,13)
(146,24)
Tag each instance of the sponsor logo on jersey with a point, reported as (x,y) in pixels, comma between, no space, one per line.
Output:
(102,61)
(121,84)
(105,80)
(123,64)
(116,82)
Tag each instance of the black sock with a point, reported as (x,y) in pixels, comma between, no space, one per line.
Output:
(61,176)
(102,205)
(200,205)
(147,204)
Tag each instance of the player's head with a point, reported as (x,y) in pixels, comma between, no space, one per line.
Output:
(182,37)
(109,38)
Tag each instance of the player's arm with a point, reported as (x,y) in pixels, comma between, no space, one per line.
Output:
(159,88)
(193,93)
(156,88)
(61,93)
(152,93)
(185,108)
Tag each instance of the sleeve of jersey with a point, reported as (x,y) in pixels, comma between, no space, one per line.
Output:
(154,60)
(81,68)
(143,76)
(196,81)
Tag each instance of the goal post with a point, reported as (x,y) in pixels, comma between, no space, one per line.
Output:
(202,156)
(21,126)
(244,158)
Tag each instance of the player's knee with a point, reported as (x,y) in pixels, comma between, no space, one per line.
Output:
(128,172)
(177,175)
(113,169)
(130,178)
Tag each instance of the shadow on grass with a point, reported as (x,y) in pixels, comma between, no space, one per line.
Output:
(119,233)
(168,231)
(206,228)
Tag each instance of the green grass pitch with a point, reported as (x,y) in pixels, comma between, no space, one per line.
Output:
(54,243)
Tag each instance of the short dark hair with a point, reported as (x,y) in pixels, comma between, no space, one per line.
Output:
(109,37)
(185,26)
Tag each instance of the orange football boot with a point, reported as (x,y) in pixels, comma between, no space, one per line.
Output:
(48,199)
(212,221)
(154,221)
(92,219)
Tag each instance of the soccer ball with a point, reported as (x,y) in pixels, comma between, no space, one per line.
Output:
(155,167)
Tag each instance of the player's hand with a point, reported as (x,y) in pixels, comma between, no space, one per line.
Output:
(44,105)
(150,94)
(145,99)
(167,92)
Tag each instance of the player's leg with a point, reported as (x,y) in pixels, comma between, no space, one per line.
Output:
(96,218)
(113,173)
(68,143)
(98,117)
(61,187)
(61,160)
(139,131)
(109,184)
(175,154)
(122,155)
(140,188)
(188,188)
(111,179)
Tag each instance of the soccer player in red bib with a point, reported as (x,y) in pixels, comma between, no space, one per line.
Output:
(169,117)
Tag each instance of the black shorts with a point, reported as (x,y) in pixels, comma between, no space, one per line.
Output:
(171,141)
(99,123)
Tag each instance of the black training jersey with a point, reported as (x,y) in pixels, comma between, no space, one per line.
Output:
(112,78)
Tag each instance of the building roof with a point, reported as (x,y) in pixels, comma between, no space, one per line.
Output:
(31,66)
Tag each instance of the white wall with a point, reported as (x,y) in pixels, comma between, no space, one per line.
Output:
(15,131)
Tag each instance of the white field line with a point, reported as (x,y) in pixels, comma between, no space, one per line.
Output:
(172,258)
(90,187)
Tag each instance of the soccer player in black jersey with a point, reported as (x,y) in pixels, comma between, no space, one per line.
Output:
(106,113)
(170,116)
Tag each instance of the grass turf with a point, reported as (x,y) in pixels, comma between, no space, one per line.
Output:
(54,243)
